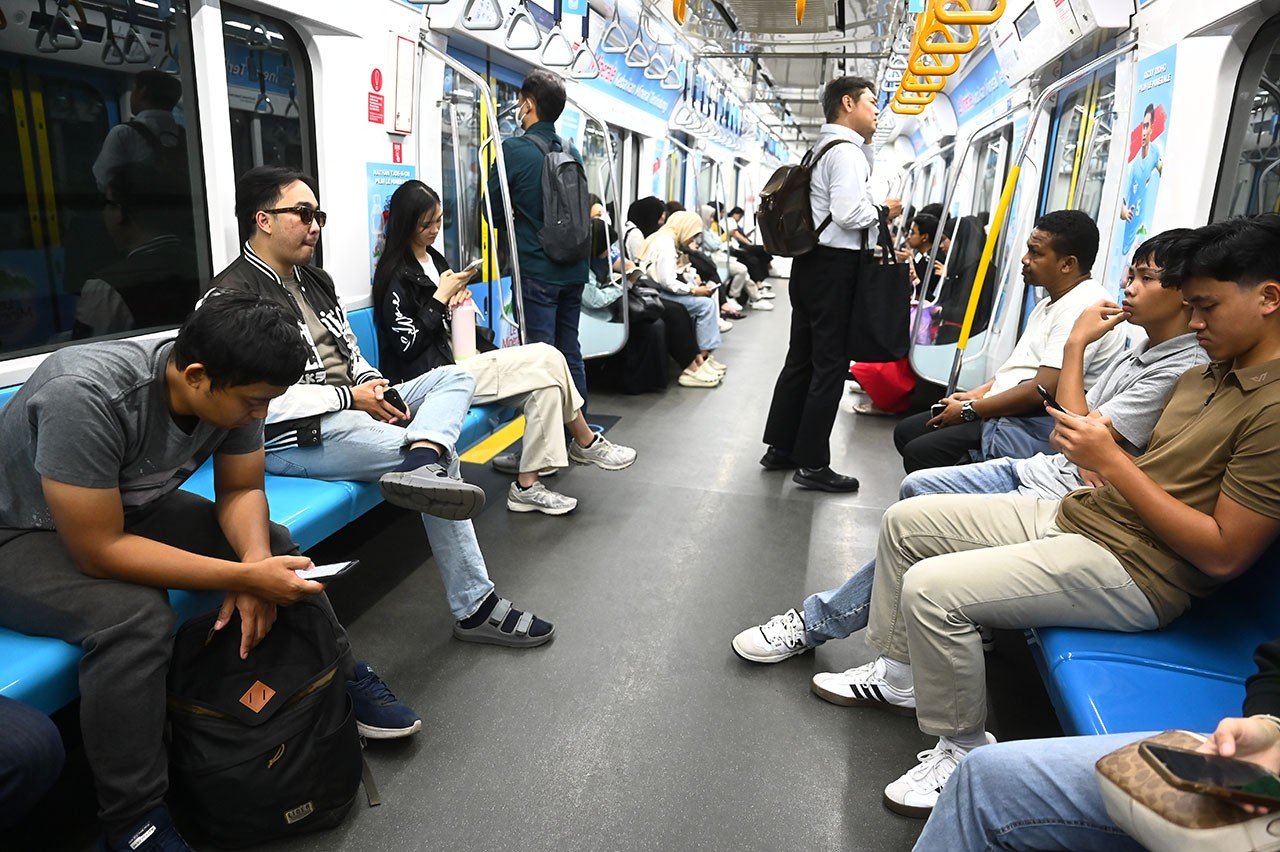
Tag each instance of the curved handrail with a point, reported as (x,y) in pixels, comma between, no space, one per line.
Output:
(966,15)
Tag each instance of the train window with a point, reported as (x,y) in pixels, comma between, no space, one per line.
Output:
(1250,178)
(102,189)
(268,86)
(1078,156)
(461,138)
(992,158)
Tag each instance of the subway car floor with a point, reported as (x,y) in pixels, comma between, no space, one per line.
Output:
(638,728)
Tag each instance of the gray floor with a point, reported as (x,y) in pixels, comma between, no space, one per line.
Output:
(638,728)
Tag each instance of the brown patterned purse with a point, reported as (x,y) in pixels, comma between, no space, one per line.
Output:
(1165,819)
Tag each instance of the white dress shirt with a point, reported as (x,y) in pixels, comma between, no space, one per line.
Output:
(841,187)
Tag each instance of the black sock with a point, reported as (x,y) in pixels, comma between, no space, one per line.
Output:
(536,629)
(595,436)
(481,614)
(417,457)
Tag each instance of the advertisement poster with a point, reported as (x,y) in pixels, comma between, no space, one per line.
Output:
(1147,129)
(383,179)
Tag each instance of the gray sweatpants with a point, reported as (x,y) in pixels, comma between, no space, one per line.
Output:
(126,632)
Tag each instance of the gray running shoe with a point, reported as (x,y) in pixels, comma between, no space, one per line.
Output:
(537,498)
(509,463)
(602,453)
(430,490)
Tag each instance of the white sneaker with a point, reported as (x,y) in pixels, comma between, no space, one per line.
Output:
(916,792)
(725,325)
(509,463)
(864,686)
(774,641)
(602,453)
(537,498)
(700,378)
(768,294)
(716,365)
(761,304)
(733,305)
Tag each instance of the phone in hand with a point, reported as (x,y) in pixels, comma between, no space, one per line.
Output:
(325,573)
(1048,398)
(472,267)
(1213,775)
(392,397)
(937,408)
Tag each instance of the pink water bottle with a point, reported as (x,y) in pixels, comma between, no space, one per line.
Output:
(463,330)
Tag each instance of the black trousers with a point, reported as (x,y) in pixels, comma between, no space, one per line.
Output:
(126,631)
(923,448)
(756,260)
(682,339)
(806,397)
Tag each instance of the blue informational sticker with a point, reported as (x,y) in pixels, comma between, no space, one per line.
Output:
(915,7)
(575,7)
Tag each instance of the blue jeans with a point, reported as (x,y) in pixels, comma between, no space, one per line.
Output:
(356,447)
(31,758)
(840,612)
(1032,794)
(1015,437)
(705,314)
(551,315)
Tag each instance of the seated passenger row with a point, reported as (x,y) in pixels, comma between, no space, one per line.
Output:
(1088,537)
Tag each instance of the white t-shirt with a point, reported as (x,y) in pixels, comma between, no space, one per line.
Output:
(1046,335)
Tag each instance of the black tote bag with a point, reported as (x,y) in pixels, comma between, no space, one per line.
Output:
(880,317)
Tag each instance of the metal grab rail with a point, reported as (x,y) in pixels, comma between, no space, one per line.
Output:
(1006,196)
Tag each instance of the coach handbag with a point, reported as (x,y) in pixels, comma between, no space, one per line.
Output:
(1165,819)
(880,316)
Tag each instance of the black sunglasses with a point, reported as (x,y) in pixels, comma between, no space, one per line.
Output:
(305,213)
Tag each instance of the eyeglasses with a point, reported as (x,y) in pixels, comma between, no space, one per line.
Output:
(305,213)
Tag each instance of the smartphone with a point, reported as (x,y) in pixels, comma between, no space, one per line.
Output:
(327,572)
(473,266)
(937,408)
(1213,775)
(393,398)
(1048,397)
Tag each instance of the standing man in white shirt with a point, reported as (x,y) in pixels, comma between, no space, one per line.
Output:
(152,127)
(807,395)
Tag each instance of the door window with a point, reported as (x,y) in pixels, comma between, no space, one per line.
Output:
(1250,178)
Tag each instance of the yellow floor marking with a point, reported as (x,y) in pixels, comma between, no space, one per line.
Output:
(483,452)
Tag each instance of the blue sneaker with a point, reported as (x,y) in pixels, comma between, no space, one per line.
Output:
(155,832)
(379,714)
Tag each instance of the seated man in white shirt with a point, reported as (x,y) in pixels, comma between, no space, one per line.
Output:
(1005,416)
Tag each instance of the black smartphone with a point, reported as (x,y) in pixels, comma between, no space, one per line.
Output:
(392,397)
(937,408)
(325,573)
(1213,775)
(1048,397)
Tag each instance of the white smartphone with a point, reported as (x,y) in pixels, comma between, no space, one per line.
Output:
(473,266)
(327,572)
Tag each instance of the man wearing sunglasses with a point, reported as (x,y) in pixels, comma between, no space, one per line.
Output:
(340,423)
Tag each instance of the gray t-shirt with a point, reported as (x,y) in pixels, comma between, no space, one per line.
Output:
(335,366)
(1132,392)
(97,416)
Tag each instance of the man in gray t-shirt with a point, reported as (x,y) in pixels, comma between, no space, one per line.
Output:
(93,527)
(1131,392)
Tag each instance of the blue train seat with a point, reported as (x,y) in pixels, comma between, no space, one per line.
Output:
(1189,675)
(42,672)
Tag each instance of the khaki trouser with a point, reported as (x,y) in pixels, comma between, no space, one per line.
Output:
(949,562)
(535,379)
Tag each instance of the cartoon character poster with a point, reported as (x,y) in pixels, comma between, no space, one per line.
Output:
(1144,166)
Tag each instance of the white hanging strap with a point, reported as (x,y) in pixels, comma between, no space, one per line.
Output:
(557,52)
(482,15)
(522,32)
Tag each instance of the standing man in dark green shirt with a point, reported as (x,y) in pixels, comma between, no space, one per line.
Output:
(552,292)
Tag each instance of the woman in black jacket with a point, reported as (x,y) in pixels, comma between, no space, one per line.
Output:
(413,294)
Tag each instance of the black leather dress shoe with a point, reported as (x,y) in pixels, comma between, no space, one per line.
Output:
(824,479)
(777,460)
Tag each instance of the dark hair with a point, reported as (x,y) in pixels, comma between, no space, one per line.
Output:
(1245,250)
(412,200)
(645,213)
(1150,111)
(949,229)
(241,339)
(546,90)
(833,94)
(1072,234)
(1164,250)
(737,211)
(260,188)
(593,199)
(599,238)
(674,206)
(163,90)
(934,210)
(927,225)
(151,197)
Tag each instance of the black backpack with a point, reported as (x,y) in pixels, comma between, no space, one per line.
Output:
(785,216)
(266,747)
(165,158)
(566,205)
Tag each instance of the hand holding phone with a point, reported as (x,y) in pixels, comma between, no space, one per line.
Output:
(324,573)
(1049,400)
(472,267)
(1213,775)
(392,397)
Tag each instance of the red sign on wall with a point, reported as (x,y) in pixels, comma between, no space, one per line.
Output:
(375,79)
(397,152)
(377,109)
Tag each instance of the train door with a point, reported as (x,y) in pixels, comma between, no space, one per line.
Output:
(84,201)
(1249,181)
(1079,144)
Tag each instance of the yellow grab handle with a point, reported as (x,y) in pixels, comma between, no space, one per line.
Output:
(965,15)
(938,64)
(948,44)
(799,11)
(679,10)
(905,97)
(914,83)
(988,251)
(907,109)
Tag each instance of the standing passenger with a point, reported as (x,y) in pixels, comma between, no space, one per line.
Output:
(807,395)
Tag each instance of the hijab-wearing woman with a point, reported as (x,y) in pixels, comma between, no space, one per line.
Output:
(413,292)
(660,258)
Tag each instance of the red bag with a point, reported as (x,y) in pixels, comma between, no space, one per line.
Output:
(889,384)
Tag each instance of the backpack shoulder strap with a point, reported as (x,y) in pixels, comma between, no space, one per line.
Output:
(820,154)
(152,140)
(542,146)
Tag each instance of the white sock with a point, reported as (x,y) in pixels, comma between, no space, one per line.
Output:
(898,675)
(967,742)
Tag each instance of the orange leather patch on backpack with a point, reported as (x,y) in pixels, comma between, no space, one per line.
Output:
(257,696)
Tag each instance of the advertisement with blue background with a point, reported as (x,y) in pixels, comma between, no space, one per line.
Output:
(1147,130)
(383,179)
(982,87)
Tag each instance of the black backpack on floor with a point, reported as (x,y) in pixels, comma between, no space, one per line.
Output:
(266,747)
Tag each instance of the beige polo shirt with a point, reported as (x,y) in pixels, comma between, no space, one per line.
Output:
(1219,434)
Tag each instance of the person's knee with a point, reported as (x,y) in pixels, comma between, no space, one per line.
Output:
(923,588)
(135,613)
(453,376)
(913,484)
(281,540)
